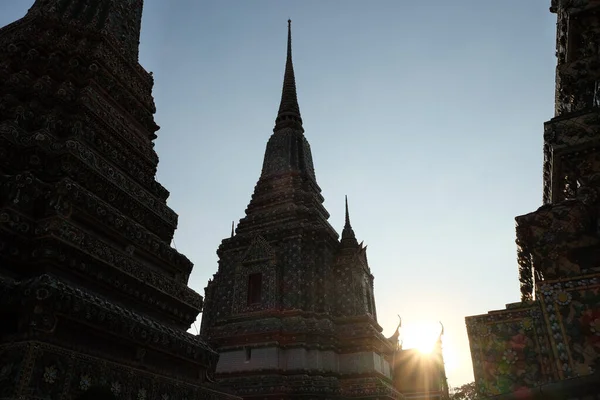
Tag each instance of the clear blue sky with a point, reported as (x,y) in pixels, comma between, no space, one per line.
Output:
(427,114)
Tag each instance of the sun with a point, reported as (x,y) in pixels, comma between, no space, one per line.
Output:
(425,347)
(421,336)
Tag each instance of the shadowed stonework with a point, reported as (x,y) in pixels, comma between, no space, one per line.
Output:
(548,346)
(94,302)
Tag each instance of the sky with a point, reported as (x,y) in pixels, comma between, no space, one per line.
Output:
(427,114)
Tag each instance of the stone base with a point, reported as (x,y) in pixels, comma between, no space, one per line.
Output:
(308,386)
(36,370)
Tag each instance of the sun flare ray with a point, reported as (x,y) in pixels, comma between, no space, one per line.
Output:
(421,336)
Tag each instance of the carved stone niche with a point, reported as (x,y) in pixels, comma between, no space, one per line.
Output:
(255,287)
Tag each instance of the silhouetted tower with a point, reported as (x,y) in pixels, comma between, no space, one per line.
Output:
(551,331)
(91,293)
(291,308)
(571,153)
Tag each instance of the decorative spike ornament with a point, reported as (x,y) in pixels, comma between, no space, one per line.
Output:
(348,236)
(289,111)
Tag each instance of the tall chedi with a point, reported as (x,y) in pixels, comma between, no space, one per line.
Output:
(548,345)
(92,296)
(291,308)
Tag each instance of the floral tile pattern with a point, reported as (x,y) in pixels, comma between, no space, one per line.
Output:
(555,337)
(509,350)
(49,373)
(572,310)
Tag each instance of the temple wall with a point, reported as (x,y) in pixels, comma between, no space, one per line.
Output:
(261,358)
(381,365)
(297,359)
(356,363)
(363,362)
(530,344)
(302,359)
(329,360)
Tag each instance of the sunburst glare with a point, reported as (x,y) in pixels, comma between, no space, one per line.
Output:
(421,336)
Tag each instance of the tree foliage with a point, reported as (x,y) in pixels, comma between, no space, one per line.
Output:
(464,392)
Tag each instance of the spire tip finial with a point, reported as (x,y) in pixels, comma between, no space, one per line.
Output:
(289,112)
(347,232)
(347,212)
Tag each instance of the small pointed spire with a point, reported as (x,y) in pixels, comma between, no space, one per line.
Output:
(232,228)
(348,233)
(289,111)
(347,214)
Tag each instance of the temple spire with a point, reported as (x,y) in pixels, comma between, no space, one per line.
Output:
(347,215)
(289,111)
(348,233)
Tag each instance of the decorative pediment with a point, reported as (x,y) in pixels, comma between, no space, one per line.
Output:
(259,250)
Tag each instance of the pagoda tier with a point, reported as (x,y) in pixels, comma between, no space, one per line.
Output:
(91,292)
(548,346)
